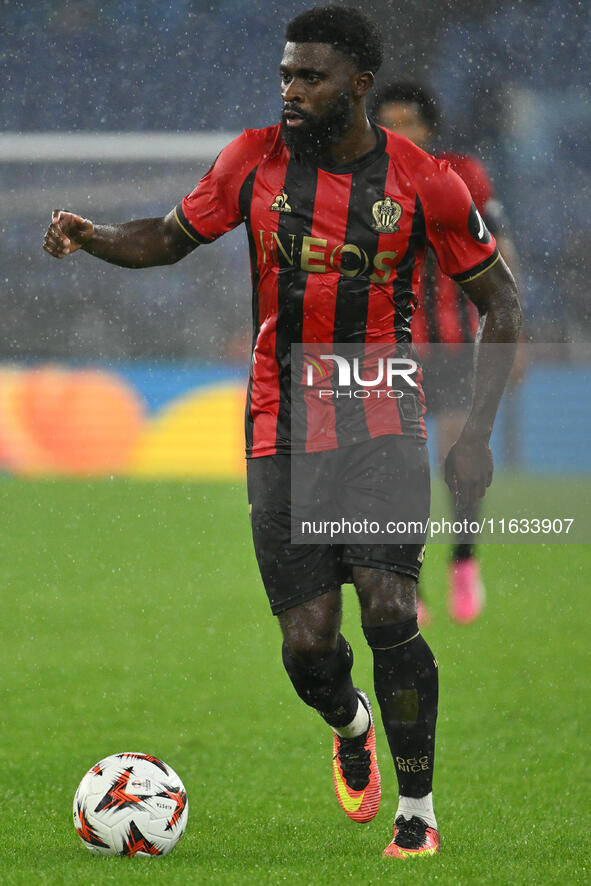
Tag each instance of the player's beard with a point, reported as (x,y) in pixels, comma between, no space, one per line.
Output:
(315,135)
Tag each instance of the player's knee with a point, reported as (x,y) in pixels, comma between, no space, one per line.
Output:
(309,643)
(311,630)
(390,611)
(385,597)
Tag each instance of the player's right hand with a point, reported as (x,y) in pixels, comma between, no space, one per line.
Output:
(67,233)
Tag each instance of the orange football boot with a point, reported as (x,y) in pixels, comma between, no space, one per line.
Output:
(355,771)
(412,837)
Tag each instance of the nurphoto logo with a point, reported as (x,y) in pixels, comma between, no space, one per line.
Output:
(368,373)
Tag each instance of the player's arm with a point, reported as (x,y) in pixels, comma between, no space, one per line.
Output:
(142,243)
(508,250)
(212,209)
(469,465)
(467,251)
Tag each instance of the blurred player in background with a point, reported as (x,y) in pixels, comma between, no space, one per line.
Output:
(446,318)
(336,211)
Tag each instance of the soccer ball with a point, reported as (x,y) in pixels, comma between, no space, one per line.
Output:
(130,804)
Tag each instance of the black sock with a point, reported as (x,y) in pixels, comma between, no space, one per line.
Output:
(326,685)
(406,684)
(462,552)
(464,546)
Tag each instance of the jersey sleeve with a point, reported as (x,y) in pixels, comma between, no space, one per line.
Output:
(475,176)
(464,246)
(473,172)
(213,208)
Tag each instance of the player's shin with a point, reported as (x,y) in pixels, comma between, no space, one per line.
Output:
(326,683)
(406,685)
(326,686)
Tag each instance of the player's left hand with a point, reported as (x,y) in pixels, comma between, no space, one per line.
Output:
(469,469)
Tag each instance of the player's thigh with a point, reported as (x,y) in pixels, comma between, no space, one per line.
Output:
(386,483)
(292,574)
(385,572)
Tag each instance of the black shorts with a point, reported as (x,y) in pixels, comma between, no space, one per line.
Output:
(295,573)
(447,379)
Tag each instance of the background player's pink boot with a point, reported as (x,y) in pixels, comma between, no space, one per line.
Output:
(466,597)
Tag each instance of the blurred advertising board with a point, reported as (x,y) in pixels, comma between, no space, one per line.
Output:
(147,421)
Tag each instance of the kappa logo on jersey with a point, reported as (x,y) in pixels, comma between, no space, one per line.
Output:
(280,203)
(386,213)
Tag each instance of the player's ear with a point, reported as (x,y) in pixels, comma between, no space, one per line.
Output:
(362,83)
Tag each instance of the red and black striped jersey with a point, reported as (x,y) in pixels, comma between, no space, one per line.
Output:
(336,255)
(444,314)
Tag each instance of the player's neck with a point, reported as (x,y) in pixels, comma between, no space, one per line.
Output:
(359,140)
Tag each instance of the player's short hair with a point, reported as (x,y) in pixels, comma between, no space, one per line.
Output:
(410,93)
(347,29)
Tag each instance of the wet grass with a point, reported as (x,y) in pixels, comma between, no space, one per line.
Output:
(134,619)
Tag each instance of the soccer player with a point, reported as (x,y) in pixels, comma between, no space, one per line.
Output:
(445,318)
(338,213)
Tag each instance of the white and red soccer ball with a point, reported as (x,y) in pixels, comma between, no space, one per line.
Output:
(130,804)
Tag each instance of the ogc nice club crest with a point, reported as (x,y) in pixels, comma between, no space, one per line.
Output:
(386,213)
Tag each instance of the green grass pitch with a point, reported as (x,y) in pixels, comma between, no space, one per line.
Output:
(134,619)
